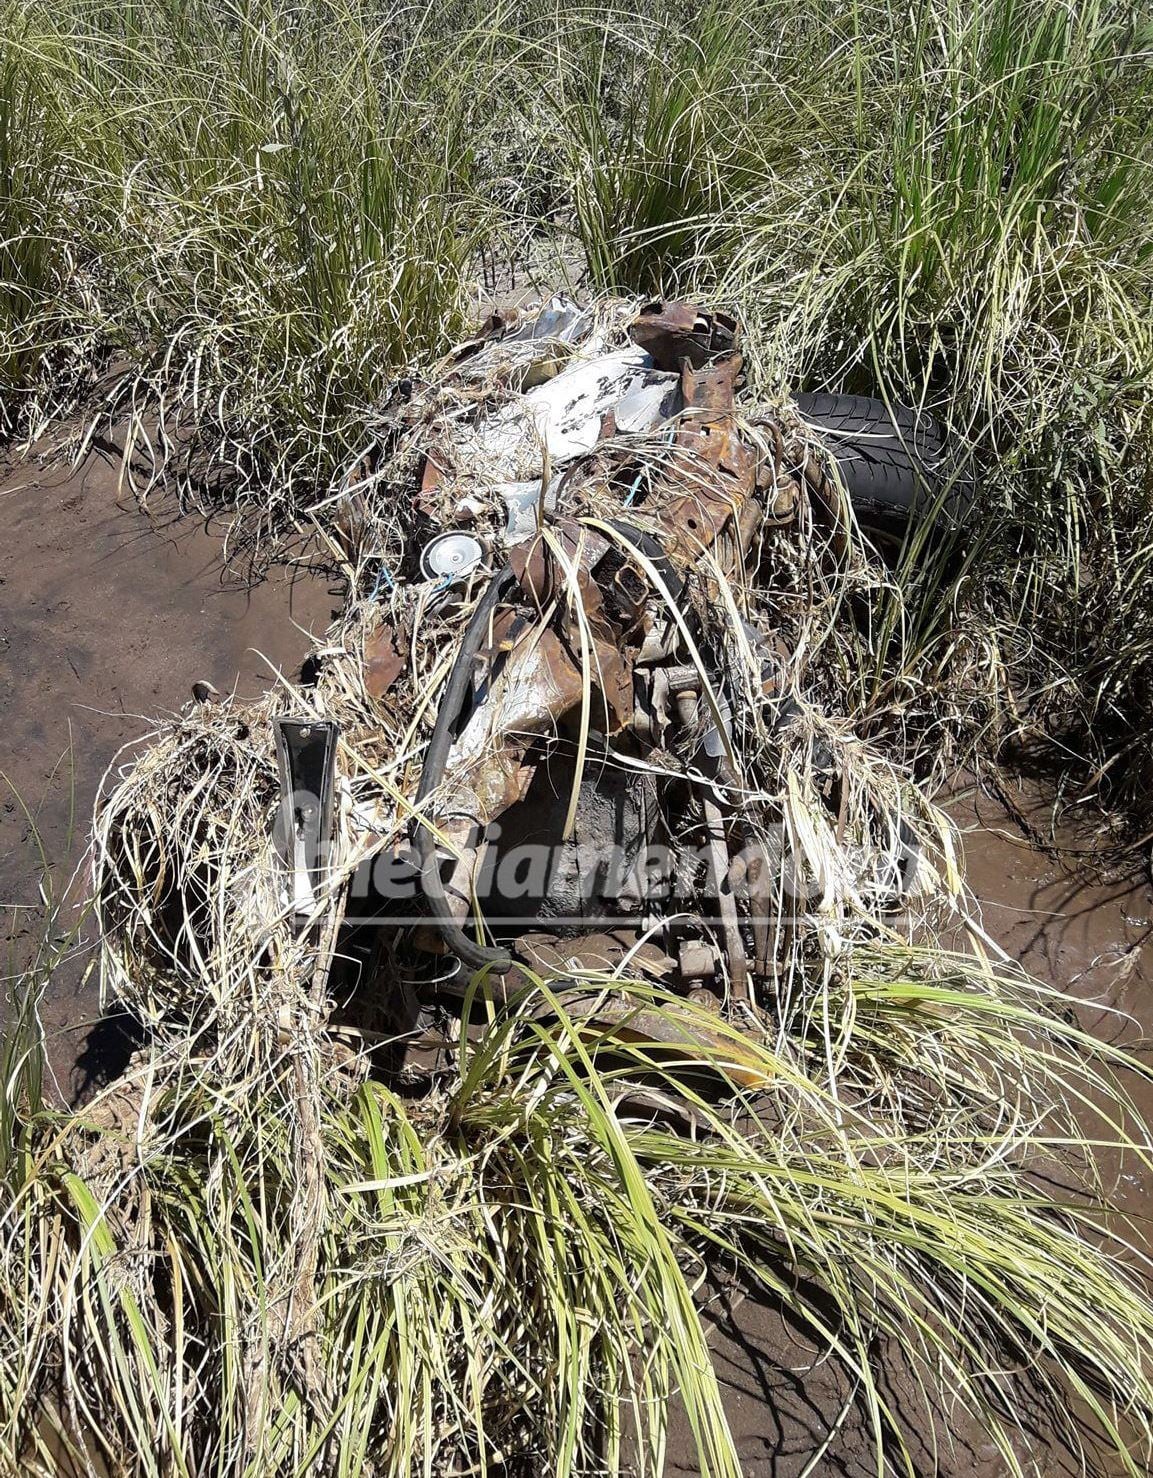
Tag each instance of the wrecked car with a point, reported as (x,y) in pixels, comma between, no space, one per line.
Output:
(582,716)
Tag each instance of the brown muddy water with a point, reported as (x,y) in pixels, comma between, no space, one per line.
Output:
(107,616)
(1078,917)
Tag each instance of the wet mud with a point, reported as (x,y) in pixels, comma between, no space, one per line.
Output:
(1079,917)
(107,617)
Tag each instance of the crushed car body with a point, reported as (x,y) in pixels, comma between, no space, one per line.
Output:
(579,720)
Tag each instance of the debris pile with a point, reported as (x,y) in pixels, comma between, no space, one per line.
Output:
(586,712)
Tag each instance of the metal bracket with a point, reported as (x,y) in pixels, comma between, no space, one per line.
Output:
(306,758)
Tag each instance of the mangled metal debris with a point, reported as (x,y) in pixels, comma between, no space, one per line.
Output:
(306,756)
(579,688)
(605,501)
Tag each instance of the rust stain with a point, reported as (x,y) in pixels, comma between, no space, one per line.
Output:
(385,658)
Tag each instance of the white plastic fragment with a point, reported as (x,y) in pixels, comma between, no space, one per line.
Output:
(562,419)
(522,503)
(560,319)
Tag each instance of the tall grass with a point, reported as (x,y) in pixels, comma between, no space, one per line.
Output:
(243,219)
(985,255)
(276,208)
(33,253)
(300,1268)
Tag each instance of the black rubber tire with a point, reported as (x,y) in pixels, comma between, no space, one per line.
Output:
(892,464)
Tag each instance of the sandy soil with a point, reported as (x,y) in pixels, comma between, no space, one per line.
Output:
(108,616)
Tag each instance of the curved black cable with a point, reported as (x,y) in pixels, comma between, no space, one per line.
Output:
(651,547)
(475,956)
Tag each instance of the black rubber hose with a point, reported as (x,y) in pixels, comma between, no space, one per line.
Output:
(475,956)
(651,547)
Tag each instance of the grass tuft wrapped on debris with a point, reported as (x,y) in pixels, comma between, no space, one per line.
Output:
(298,1267)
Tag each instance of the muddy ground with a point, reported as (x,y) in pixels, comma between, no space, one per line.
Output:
(107,616)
